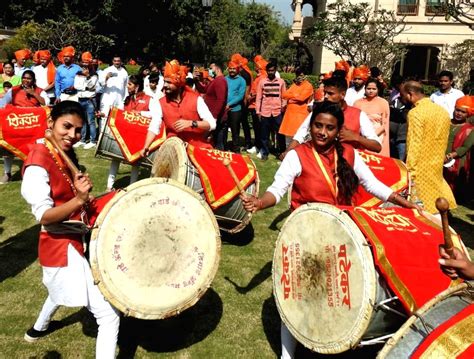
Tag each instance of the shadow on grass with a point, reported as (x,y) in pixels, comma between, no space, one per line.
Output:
(18,252)
(52,354)
(258,279)
(242,238)
(172,334)
(280,218)
(464,229)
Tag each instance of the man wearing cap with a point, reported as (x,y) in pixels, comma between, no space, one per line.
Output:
(21,56)
(357,90)
(65,74)
(45,73)
(183,111)
(236,89)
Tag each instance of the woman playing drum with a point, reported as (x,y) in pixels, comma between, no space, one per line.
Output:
(322,170)
(55,195)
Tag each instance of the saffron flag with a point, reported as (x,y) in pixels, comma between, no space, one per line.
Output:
(20,127)
(219,187)
(130,130)
(390,171)
(405,248)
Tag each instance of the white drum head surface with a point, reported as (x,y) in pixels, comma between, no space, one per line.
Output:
(170,160)
(323,278)
(156,249)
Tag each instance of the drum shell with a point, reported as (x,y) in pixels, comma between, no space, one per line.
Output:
(325,327)
(108,148)
(232,217)
(441,308)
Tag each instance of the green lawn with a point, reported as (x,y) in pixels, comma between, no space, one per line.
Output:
(236,318)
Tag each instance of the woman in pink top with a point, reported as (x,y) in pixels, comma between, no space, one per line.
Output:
(378,111)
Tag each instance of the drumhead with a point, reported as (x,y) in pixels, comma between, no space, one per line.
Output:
(323,278)
(434,313)
(155,250)
(170,160)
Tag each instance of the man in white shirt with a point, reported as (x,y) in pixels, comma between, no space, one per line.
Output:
(446,96)
(357,91)
(42,70)
(114,81)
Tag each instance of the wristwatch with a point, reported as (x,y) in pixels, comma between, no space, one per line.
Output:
(194,124)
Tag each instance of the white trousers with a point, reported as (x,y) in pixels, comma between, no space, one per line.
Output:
(114,166)
(106,316)
(288,343)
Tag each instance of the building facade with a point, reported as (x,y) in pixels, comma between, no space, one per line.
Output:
(427,35)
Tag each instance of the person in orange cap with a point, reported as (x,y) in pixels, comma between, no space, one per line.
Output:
(460,144)
(359,76)
(180,101)
(45,73)
(21,56)
(65,74)
(86,58)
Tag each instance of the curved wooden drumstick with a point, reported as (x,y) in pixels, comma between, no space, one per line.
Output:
(226,163)
(443,206)
(72,167)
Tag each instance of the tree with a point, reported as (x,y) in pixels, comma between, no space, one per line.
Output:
(459,10)
(354,31)
(459,56)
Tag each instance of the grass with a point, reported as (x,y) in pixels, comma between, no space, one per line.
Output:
(236,318)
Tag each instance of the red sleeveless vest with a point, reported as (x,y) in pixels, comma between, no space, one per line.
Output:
(20,98)
(352,118)
(52,248)
(311,185)
(139,103)
(187,110)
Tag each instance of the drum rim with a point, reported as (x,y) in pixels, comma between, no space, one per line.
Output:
(180,147)
(403,330)
(365,314)
(100,280)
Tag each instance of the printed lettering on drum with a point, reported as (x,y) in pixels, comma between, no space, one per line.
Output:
(291,276)
(23,121)
(337,279)
(136,119)
(391,219)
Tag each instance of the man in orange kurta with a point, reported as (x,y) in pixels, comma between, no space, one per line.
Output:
(298,96)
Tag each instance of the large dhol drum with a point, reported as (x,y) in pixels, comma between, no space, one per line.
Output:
(171,161)
(413,338)
(154,249)
(108,148)
(325,285)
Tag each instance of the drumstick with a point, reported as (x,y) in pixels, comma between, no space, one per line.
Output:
(72,167)
(226,163)
(443,206)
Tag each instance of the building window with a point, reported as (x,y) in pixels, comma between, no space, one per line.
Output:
(434,8)
(407,7)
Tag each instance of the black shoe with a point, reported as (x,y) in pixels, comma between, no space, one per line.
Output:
(32,335)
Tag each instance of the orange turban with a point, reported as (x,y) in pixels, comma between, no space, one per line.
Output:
(342,65)
(237,58)
(44,54)
(61,57)
(86,57)
(233,64)
(36,58)
(257,58)
(466,102)
(68,51)
(176,73)
(261,64)
(24,54)
(361,72)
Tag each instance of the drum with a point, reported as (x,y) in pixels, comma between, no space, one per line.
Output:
(325,285)
(154,249)
(171,161)
(108,148)
(418,328)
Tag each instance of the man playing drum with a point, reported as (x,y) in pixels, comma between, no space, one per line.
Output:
(183,111)
(322,170)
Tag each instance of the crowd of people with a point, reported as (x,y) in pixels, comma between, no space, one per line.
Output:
(315,132)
